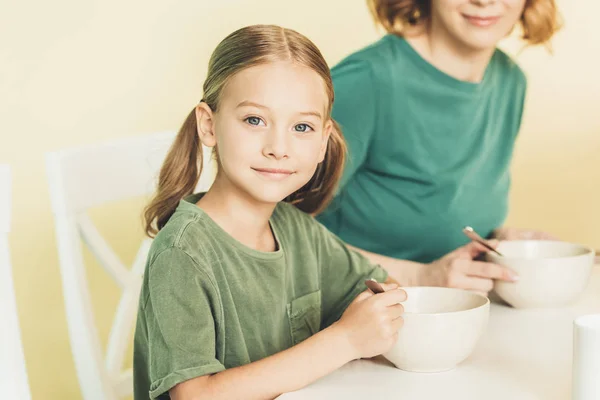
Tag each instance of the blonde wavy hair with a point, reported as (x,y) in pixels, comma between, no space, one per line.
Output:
(539,22)
(245,48)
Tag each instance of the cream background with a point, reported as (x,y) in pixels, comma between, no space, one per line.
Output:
(86,71)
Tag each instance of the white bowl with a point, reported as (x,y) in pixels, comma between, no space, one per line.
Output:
(551,274)
(441,328)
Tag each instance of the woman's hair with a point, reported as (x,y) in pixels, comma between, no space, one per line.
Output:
(539,21)
(245,48)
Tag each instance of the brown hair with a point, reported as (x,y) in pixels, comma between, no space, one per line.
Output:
(244,48)
(539,22)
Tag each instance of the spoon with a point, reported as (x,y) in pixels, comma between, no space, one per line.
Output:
(374,286)
(471,234)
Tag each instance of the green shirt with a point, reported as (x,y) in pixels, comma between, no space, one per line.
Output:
(209,303)
(428,154)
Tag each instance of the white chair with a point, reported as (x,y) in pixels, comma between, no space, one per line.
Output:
(13,373)
(80,179)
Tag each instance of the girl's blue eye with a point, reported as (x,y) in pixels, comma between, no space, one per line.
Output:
(302,128)
(253,121)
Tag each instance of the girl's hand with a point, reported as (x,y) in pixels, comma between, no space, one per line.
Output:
(521,234)
(371,322)
(460,270)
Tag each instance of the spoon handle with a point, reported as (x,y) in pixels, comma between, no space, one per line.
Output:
(374,286)
(471,234)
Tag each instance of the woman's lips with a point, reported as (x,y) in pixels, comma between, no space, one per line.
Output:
(481,21)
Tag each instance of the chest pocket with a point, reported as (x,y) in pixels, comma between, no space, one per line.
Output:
(304,314)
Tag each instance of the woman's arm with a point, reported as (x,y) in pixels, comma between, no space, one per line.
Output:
(458,269)
(402,272)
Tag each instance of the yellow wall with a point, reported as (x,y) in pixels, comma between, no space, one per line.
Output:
(82,71)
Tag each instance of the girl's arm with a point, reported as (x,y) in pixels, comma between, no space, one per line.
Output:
(367,328)
(283,372)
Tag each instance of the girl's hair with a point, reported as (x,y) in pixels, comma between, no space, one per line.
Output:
(539,21)
(244,48)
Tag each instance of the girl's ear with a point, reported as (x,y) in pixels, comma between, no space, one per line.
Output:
(205,125)
(326,134)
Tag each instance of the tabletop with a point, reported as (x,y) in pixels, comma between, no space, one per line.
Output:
(524,354)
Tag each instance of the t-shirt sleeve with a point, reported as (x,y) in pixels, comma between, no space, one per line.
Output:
(354,109)
(342,274)
(181,310)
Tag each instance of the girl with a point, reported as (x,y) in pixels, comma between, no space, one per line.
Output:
(431,113)
(243,291)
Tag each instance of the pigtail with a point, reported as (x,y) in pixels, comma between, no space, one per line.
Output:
(178,177)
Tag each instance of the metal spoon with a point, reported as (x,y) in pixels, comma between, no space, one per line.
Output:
(374,286)
(471,234)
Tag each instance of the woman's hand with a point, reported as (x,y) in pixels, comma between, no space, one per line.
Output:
(459,269)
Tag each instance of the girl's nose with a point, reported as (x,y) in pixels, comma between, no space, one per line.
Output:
(276,145)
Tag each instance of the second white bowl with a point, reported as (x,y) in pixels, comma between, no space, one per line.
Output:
(551,273)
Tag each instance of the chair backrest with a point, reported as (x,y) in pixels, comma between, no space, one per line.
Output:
(13,374)
(86,177)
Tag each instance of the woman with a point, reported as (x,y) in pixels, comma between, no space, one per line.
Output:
(431,113)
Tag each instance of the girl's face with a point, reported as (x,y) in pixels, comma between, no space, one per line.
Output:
(271,130)
(475,24)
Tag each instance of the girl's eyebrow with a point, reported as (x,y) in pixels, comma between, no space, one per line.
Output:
(247,103)
(313,113)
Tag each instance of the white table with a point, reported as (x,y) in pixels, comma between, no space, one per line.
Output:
(524,355)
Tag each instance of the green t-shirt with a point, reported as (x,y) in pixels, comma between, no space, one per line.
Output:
(209,303)
(428,154)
